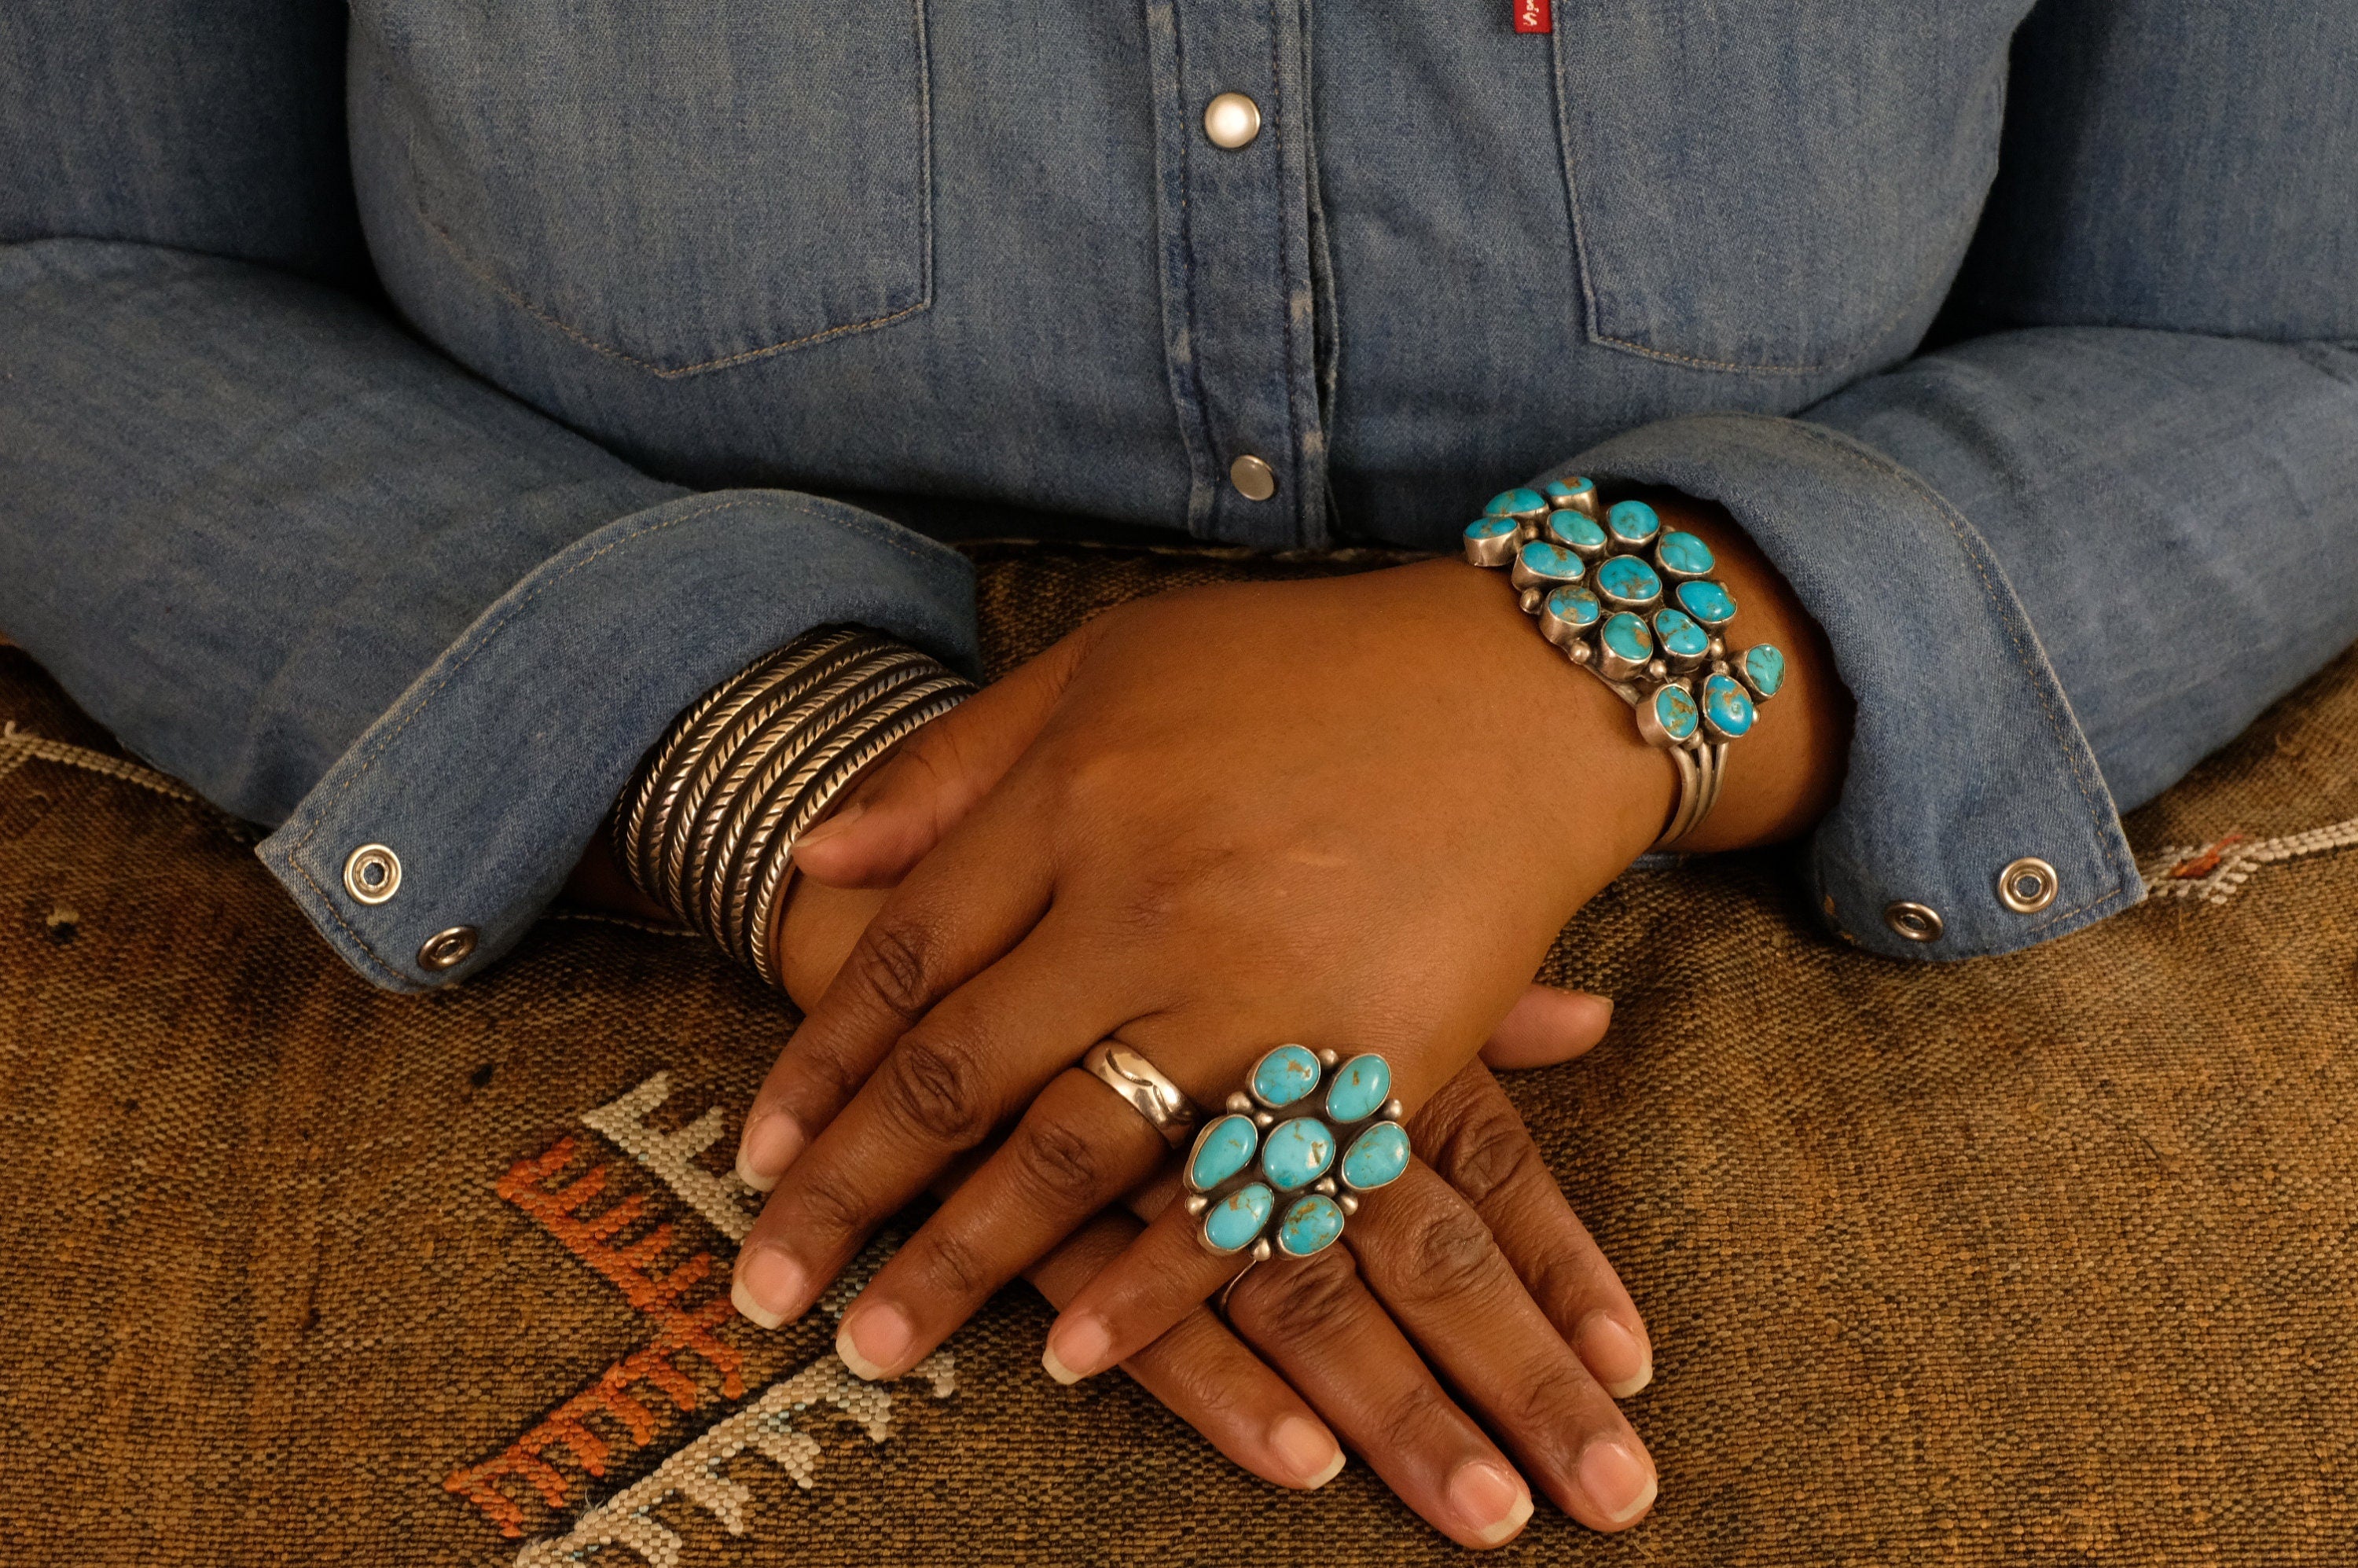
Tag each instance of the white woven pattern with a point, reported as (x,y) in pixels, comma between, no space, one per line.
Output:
(767,1425)
(19,747)
(672,1155)
(2211,873)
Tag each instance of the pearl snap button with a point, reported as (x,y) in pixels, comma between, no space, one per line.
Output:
(447,950)
(2027,886)
(1917,921)
(372,874)
(1254,480)
(1232,121)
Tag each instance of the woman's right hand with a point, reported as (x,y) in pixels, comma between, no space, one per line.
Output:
(1473,1275)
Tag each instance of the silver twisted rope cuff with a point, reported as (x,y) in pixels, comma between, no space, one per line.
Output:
(708,826)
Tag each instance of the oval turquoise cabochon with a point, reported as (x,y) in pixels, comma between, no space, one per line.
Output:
(1377,1155)
(1221,1150)
(1358,1086)
(1284,1075)
(1296,1152)
(1310,1226)
(1234,1220)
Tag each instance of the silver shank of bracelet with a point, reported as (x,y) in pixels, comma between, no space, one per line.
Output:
(708,826)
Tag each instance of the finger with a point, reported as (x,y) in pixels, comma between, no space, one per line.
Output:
(1318,1325)
(1432,1262)
(1205,1375)
(1474,1139)
(958,912)
(973,1063)
(1139,1296)
(907,805)
(1077,1149)
(1546,1026)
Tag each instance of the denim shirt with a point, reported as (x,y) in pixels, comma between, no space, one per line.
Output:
(405,411)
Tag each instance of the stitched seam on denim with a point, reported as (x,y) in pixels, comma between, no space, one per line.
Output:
(1869,459)
(490,633)
(1592,325)
(672,373)
(1210,449)
(661,372)
(1298,498)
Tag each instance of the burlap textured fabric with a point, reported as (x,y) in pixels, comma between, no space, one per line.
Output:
(2041,1260)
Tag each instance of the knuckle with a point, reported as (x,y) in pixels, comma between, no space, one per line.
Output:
(1415,1409)
(1448,1254)
(1058,1160)
(833,1205)
(1297,1302)
(954,1268)
(1484,1154)
(896,965)
(931,1086)
(1550,1395)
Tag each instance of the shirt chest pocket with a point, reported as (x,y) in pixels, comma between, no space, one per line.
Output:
(1776,188)
(679,188)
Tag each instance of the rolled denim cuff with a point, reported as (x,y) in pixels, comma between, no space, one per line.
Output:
(490,774)
(1966,756)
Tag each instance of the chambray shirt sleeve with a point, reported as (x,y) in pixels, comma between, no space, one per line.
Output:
(2061,560)
(292,555)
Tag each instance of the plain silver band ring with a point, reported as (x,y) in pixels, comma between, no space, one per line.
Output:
(1138,1082)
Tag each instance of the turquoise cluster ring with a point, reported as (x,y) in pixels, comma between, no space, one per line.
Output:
(1285,1166)
(1635,605)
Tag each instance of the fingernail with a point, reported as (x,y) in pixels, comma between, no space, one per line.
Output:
(1078,1348)
(1613,1354)
(768,1147)
(832,825)
(1621,1484)
(769,1287)
(873,1340)
(1308,1449)
(1491,1500)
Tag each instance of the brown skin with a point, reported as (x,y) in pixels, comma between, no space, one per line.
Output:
(1354,811)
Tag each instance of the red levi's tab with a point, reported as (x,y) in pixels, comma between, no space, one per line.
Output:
(1534,16)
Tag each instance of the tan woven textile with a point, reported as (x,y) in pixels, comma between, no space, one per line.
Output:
(2047,1258)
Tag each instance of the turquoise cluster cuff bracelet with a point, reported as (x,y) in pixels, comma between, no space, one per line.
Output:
(1635,605)
(1266,1175)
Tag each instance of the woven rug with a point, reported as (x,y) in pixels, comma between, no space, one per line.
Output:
(2041,1260)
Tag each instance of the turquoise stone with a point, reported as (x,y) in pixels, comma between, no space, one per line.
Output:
(1296,1152)
(1628,577)
(1674,711)
(1680,635)
(1731,711)
(1627,635)
(1553,562)
(1684,553)
(1234,1220)
(1764,667)
(1377,1155)
(1564,491)
(1516,503)
(1359,1089)
(1284,1075)
(1310,1226)
(1225,1148)
(1489,528)
(1575,532)
(1707,602)
(1632,522)
(1576,605)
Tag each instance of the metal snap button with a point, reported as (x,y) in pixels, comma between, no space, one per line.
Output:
(372,874)
(1232,121)
(447,950)
(1254,480)
(1917,921)
(2027,886)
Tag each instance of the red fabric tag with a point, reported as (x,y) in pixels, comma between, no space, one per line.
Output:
(1534,16)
